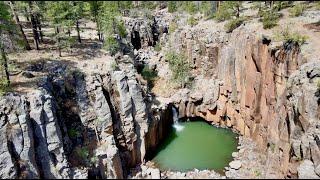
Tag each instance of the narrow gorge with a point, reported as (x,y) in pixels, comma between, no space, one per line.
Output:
(104,120)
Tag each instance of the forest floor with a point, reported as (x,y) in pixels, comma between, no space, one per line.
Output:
(38,62)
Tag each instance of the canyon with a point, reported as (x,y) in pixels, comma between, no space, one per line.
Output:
(95,120)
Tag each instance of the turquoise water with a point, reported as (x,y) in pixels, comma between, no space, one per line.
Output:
(196,145)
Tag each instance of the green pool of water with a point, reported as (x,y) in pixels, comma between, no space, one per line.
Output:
(196,145)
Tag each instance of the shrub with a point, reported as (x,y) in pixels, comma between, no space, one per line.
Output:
(269,19)
(279,5)
(192,21)
(122,30)
(172,6)
(73,133)
(206,8)
(172,27)
(112,45)
(179,67)
(297,10)
(233,24)
(83,153)
(148,73)
(288,36)
(227,10)
(4,86)
(223,13)
(157,47)
(114,66)
(189,6)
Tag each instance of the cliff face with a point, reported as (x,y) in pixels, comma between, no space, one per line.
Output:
(263,92)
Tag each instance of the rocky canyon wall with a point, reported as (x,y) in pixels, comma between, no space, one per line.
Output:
(263,92)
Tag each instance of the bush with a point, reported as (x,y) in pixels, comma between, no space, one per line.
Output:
(227,10)
(112,45)
(189,6)
(192,21)
(73,133)
(286,35)
(122,29)
(114,66)
(172,6)
(223,14)
(233,24)
(179,67)
(297,10)
(269,19)
(4,86)
(83,153)
(157,47)
(279,5)
(148,74)
(172,27)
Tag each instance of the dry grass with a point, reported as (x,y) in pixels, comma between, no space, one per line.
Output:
(164,88)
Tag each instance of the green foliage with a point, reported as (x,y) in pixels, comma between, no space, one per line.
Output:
(279,5)
(192,21)
(4,86)
(188,6)
(206,8)
(83,153)
(179,67)
(233,24)
(148,74)
(269,18)
(73,133)
(112,45)
(227,10)
(297,10)
(148,5)
(114,66)
(288,36)
(172,6)
(172,27)
(121,29)
(157,47)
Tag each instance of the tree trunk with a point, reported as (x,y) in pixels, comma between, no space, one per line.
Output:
(39,26)
(58,41)
(34,28)
(16,18)
(218,5)
(78,31)
(5,64)
(238,11)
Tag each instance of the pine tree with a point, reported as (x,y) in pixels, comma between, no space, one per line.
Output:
(5,26)
(16,18)
(59,15)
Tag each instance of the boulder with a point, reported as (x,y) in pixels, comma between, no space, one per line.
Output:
(235,164)
(306,170)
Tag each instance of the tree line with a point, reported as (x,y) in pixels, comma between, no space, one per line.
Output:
(66,16)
